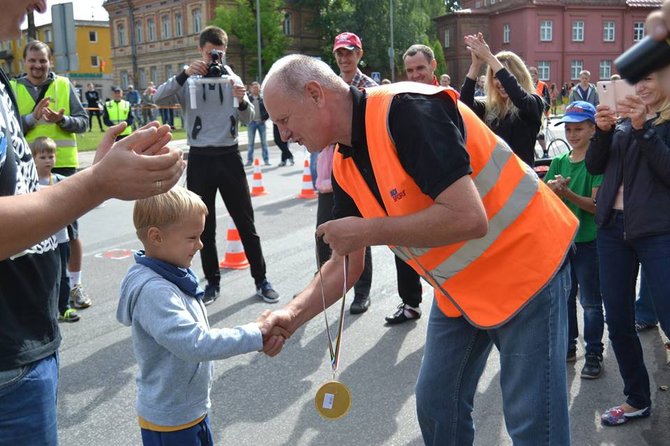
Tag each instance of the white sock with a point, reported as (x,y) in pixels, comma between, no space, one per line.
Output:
(75,278)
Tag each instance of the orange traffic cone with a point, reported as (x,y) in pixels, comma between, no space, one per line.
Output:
(307,190)
(235,257)
(257,187)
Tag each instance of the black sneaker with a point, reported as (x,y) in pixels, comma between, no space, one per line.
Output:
(359,305)
(593,366)
(402,314)
(572,354)
(211,293)
(267,293)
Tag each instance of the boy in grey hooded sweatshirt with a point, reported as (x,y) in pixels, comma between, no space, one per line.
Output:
(173,342)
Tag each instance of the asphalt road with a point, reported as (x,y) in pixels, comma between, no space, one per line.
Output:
(270,401)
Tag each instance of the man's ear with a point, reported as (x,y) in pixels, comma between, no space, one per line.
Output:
(314,92)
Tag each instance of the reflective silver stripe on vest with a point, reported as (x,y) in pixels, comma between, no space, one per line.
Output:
(471,250)
(513,208)
(485,180)
(490,173)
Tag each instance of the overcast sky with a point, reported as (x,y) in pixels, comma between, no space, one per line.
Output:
(83,10)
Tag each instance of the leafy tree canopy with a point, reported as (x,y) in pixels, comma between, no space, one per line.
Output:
(370,20)
(240,21)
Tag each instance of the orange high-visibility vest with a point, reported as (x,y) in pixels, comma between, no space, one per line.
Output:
(487,280)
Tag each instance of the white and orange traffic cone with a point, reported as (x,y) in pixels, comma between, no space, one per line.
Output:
(257,187)
(235,257)
(307,190)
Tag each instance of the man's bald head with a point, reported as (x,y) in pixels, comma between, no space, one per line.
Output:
(292,73)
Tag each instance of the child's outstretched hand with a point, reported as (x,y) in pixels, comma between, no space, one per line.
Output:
(273,337)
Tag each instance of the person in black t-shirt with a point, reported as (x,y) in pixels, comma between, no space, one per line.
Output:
(29,261)
(93,106)
(403,164)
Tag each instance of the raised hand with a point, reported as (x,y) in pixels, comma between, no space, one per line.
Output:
(139,165)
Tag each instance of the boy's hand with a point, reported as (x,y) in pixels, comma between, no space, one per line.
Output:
(273,336)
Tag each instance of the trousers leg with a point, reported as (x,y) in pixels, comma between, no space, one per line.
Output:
(234,189)
(199,173)
(409,283)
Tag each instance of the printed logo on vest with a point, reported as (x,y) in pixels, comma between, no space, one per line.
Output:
(397,195)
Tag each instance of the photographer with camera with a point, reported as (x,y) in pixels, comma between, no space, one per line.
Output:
(212,111)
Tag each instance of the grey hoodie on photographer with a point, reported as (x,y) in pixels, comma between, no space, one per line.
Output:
(174,347)
(214,120)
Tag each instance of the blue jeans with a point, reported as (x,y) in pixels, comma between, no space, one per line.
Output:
(28,404)
(251,132)
(198,435)
(585,278)
(619,262)
(532,346)
(645,312)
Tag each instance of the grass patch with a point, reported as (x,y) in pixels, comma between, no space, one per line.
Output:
(89,141)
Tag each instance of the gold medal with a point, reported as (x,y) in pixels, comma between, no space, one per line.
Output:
(333,400)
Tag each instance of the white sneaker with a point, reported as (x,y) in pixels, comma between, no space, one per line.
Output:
(79,298)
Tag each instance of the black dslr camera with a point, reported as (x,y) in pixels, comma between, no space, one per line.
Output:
(215,67)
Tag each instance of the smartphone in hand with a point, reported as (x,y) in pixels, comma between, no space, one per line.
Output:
(610,92)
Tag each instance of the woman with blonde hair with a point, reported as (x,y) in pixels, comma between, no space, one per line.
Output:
(631,149)
(511,109)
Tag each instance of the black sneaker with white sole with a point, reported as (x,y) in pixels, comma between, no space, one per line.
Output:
(211,293)
(265,291)
(402,314)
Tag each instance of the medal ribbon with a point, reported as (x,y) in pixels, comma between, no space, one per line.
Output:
(334,350)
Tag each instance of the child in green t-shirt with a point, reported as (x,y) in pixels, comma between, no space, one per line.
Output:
(569,179)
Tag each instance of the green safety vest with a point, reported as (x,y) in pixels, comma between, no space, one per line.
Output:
(59,92)
(118,112)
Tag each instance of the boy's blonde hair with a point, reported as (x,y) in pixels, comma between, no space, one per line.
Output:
(43,144)
(165,209)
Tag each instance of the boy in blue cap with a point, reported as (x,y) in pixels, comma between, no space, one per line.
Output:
(569,179)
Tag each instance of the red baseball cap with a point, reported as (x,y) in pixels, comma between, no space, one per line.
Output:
(347,40)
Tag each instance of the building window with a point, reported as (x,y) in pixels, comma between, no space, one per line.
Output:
(153,75)
(168,72)
(178,25)
(605,69)
(578,31)
(95,61)
(546,31)
(151,30)
(124,79)
(576,67)
(139,35)
(447,38)
(638,31)
(608,31)
(143,78)
(92,36)
(48,36)
(197,20)
(165,27)
(287,24)
(543,70)
(506,33)
(120,35)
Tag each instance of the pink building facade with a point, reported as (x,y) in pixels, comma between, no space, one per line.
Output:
(560,37)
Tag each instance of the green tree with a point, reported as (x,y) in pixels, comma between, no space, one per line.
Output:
(370,20)
(439,58)
(452,5)
(240,21)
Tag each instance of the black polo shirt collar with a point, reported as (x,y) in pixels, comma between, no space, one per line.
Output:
(357,123)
